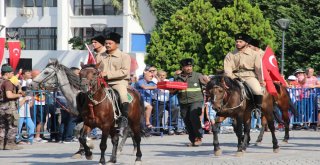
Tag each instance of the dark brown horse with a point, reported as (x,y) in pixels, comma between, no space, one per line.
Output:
(283,101)
(98,109)
(229,100)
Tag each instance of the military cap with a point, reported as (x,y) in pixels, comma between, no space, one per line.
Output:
(6,68)
(99,38)
(243,37)
(299,71)
(255,43)
(114,37)
(187,61)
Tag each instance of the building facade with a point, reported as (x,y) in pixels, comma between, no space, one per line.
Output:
(46,26)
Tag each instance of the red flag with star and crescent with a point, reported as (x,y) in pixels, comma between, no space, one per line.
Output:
(14,53)
(270,71)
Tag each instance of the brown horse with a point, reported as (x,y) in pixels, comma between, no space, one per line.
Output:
(98,109)
(283,101)
(229,100)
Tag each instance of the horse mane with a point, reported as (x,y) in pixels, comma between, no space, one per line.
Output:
(74,80)
(218,79)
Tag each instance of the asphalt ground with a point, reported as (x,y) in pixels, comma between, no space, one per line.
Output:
(303,148)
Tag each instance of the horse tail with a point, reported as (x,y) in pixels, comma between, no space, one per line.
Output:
(277,117)
(144,130)
(293,108)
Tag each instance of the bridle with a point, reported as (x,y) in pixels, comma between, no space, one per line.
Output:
(54,85)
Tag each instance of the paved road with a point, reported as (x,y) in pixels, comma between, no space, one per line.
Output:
(303,148)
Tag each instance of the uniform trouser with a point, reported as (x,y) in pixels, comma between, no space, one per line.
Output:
(122,90)
(191,116)
(8,129)
(254,85)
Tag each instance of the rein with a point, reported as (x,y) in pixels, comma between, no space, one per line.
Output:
(226,95)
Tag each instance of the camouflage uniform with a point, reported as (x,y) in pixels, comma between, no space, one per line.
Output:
(8,121)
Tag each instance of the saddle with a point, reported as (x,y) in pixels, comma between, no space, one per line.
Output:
(246,92)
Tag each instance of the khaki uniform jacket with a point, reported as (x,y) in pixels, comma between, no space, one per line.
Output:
(242,64)
(116,65)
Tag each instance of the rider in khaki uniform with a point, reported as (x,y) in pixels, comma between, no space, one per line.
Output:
(115,66)
(8,110)
(245,63)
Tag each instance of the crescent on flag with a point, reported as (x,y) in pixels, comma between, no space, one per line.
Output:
(271,60)
(15,51)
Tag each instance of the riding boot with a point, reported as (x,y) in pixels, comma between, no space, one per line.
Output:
(124,119)
(257,110)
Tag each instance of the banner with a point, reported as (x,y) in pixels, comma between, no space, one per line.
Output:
(270,71)
(14,53)
(91,59)
(2,45)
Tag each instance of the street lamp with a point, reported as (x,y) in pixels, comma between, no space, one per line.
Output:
(99,27)
(284,25)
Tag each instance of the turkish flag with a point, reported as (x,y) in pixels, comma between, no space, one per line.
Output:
(2,43)
(270,71)
(91,59)
(14,53)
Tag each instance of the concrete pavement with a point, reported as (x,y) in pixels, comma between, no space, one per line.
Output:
(303,148)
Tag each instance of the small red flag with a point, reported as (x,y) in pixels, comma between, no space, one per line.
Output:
(270,71)
(91,59)
(2,45)
(14,53)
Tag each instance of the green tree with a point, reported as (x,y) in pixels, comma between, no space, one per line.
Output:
(302,42)
(184,35)
(200,32)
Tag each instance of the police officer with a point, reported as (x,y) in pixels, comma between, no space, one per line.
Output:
(8,110)
(191,101)
(245,63)
(116,70)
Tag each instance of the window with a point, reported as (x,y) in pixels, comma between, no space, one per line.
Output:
(37,38)
(139,42)
(94,7)
(31,3)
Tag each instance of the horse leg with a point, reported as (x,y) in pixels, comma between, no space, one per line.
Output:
(215,130)
(238,126)
(246,130)
(263,126)
(135,128)
(115,141)
(80,152)
(272,130)
(83,140)
(286,120)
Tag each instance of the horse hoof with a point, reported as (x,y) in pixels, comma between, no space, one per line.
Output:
(138,163)
(239,154)
(89,157)
(276,150)
(258,143)
(218,153)
(285,141)
(76,156)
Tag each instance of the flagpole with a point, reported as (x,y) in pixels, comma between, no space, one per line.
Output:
(91,54)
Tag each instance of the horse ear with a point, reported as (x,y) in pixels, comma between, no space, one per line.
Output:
(82,65)
(53,61)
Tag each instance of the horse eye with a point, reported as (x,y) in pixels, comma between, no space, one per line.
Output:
(46,72)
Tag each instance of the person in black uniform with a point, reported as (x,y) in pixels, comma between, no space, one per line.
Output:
(191,101)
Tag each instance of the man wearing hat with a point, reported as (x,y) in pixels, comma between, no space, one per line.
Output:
(115,66)
(191,101)
(8,110)
(245,63)
(98,45)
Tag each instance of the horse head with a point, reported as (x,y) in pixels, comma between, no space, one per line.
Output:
(90,79)
(47,78)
